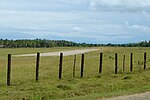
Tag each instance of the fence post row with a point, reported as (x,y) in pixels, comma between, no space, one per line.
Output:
(9,70)
(37,66)
(131,62)
(116,63)
(100,65)
(124,58)
(60,65)
(145,61)
(82,65)
(74,66)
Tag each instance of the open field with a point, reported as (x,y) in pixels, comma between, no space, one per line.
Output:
(92,86)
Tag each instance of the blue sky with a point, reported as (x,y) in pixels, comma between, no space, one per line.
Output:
(91,21)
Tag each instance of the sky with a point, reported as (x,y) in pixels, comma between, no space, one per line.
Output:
(90,21)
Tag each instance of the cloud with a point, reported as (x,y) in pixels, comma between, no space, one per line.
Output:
(86,20)
(15,35)
(77,5)
(76,28)
(121,5)
(44,5)
(139,28)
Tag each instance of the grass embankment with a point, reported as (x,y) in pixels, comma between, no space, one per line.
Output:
(92,86)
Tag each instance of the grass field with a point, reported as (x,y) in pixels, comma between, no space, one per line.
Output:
(93,85)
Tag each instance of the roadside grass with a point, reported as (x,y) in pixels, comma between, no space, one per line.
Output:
(93,85)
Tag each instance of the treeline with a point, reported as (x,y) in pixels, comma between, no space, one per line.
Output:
(43,43)
(139,44)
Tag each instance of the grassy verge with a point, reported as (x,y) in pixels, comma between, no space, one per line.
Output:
(92,86)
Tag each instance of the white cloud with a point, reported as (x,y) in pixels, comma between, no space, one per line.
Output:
(140,28)
(76,5)
(76,28)
(121,5)
(127,3)
(74,2)
(87,19)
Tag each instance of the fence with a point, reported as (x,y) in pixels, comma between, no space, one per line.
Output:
(100,66)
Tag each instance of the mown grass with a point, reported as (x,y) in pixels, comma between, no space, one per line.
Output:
(92,86)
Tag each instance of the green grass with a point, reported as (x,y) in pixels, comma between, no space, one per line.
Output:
(92,86)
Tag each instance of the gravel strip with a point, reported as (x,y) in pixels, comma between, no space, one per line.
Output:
(141,96)
(65,53)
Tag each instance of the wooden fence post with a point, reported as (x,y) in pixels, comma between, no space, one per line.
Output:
(60,65)
(116,63)
(37,66)
(100,64)
(124,58)
(9,70)
(145,61)
(74,66)
(131,62)
(82,65)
